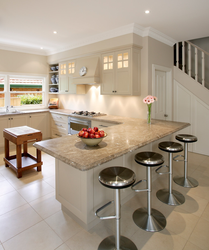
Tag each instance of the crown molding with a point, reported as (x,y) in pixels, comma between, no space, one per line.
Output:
(124,30)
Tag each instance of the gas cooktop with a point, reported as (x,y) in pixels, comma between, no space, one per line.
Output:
(88,113)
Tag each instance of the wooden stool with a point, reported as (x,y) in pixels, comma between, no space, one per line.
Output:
(22,161)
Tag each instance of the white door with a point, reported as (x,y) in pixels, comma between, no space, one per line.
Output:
(160,93)
(162,89)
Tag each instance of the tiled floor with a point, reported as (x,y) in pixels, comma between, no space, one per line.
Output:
(31,218)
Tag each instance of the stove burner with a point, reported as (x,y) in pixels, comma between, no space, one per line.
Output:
(87,113)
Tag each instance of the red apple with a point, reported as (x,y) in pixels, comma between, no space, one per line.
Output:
(92,131)
(81,133)
(91,136)
(97,136)
(96,133)
(101,133)
(95,129)
(89,130)
(84,129)
(86,134)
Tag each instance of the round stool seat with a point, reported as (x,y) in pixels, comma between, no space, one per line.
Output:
(186,138)
(117,177)
(171,147)
(149,159)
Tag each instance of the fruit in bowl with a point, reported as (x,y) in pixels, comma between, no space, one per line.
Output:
(91,136)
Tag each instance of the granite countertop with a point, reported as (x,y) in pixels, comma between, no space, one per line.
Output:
(127,135)
(22,112)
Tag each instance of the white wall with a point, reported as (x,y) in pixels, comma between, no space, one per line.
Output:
(189,108)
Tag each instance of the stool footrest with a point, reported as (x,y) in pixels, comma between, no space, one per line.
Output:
(103,207)
(178,156)
(137,183)
(161,173)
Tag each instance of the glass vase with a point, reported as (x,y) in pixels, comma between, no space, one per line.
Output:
(149,114)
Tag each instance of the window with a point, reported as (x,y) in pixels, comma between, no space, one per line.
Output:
(123,60)
(108,62)
(22,91)
(2,95)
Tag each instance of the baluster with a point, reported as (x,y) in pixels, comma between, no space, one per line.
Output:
(183,56)
(189,59)
(203,69)
(177,55)
(196,64)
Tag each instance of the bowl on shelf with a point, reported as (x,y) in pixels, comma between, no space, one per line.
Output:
(53,68)
(57,67)
(92,141)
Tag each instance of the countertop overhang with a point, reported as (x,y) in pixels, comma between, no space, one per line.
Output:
(129,134)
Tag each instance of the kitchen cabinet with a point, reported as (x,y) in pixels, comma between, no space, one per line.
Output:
(66,85)
(59,125)
(121,72)
(38,121)
(11,121)
(101,124)
(54,83)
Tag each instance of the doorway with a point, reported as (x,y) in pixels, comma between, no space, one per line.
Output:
(162,89)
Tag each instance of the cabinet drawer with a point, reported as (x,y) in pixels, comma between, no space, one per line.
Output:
(58,124)
(101,124)
(60,118)
(58,133)
(60,128)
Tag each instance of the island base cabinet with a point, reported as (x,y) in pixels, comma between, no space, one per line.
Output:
(81,194)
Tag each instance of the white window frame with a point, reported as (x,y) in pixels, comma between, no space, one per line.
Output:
(7,92)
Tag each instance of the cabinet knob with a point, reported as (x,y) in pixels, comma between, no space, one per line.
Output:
(9,119)
(30,116)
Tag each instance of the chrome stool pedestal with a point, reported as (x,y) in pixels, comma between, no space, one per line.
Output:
(116,178)
(170,196)
(186,181)
(148,219)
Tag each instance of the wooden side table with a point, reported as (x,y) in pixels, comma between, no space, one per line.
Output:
(22,161)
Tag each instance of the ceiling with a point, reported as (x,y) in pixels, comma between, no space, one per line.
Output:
(27,25)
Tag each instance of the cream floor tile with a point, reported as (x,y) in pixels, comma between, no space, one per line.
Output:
(37,237)
(35,190)
(193,205)
(16,221)
(202,190)
(200,235)
(196,158)
(163,240)
(178,221)
(50,181)
(205,214)
(46,206)
(84,241)
(6,187)
(63,225)
(190,246)
(2,178)
(10,201)
(63,247)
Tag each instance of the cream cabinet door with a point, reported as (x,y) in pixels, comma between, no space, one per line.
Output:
(18,120)
(40,121)
(123,73)
(108,74)
(4,123)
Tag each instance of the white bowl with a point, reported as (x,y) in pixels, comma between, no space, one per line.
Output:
(92,141)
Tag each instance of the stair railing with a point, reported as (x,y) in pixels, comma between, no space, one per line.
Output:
(190,58)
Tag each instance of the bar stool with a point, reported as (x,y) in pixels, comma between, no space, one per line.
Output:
(148,219)
(170,196)
(116,178)
(185,181)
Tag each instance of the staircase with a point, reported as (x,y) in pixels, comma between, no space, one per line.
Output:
(191,92)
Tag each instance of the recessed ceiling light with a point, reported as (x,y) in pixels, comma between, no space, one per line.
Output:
(147,11)
(41,47)
(55,32)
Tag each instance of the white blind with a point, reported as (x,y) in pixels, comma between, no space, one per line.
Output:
(26,81)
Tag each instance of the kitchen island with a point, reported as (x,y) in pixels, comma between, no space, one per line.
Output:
(78,165)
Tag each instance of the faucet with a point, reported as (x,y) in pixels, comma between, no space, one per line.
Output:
(7,109)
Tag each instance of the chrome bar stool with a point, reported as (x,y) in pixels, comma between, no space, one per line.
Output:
(185,181)
(116,178)
(148,219)
(170,196)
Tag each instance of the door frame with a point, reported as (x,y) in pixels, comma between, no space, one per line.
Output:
(169,90)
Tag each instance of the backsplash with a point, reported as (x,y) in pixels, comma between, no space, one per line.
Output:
(130,106)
